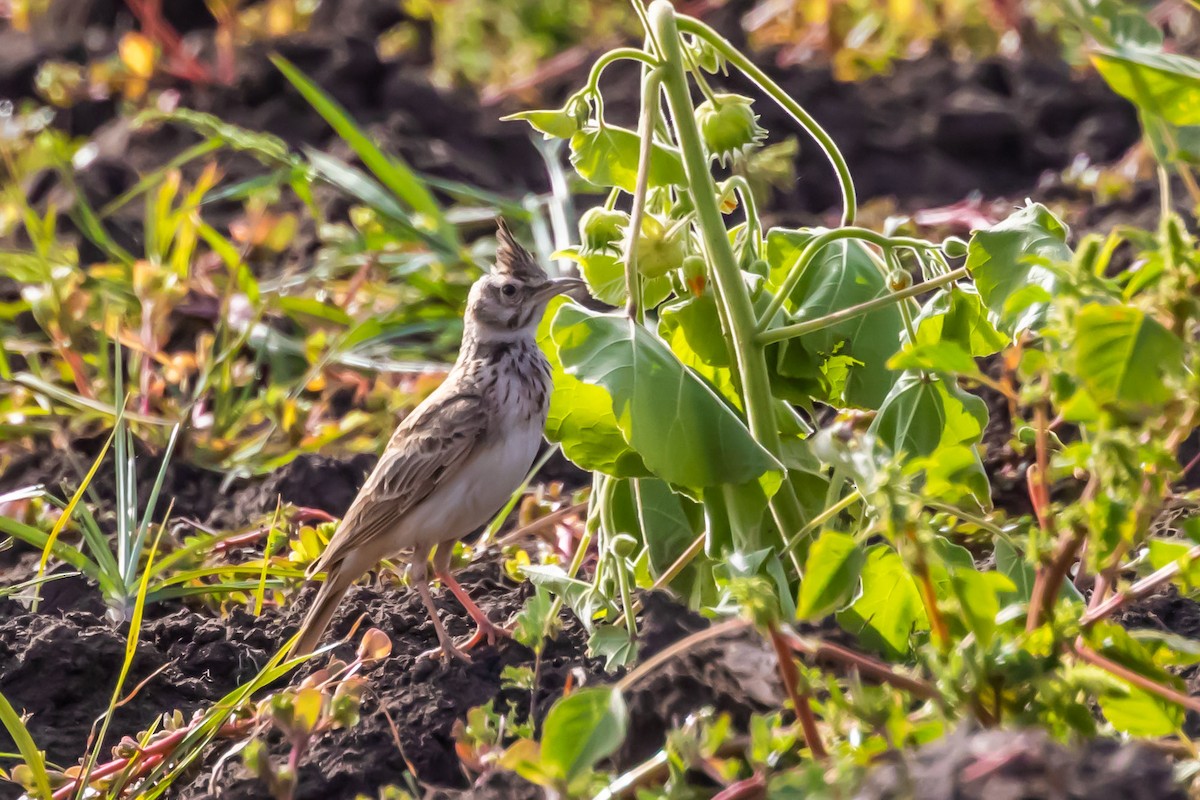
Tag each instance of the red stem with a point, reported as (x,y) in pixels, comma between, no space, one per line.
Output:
(750,788)
(867,666)
(1137,591)
(800,700)
(1141,681)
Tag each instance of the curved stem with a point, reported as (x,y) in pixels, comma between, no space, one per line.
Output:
(753,223)
(620,54)
(836,160)
(801,328)
(729,286)
(650,88)
(818,243)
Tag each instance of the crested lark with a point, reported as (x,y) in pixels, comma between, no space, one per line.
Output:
(457,458)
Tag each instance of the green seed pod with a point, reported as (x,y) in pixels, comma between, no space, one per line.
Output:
(624,545)
(954,247)
(899,280)
(658,249)
(729,126)
(705,55)
(600,228)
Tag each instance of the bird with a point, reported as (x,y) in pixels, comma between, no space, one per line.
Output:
(456,459)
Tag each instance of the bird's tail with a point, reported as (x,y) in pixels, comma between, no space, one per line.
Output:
(320,614)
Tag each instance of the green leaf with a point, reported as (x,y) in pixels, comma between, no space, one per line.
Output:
(659,405)
(581,417)
(977,597)
(944,356)
(1136,712)
(841,275)
(608,156)
(889,609)
(1163,85)
(1013,565)
(35,760)
(614,644)
(391,171)
(922,413)
(1162,553)
(1125,359)
(1009,264)
(830,575)
(957,316)
(556,123)
(669,522)
(582,729)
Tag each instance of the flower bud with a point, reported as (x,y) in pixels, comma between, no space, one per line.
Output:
(728,126)
(660,250)
(899,280)
(600,229)
(954,247)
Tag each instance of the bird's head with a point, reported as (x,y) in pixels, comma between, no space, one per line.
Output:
(507,303)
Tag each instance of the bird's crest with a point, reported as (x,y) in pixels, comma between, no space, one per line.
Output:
(513,259)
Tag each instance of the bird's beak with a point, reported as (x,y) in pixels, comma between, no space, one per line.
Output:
(557,286)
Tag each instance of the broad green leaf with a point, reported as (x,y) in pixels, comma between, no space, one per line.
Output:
(830,575)
(944,356)
(659,405)
(581,416)
(1162,85)
(608,156)
(954,474)
(692,329)
(1013,566)
(977,597)
(1008,262)
(957,316)
(1124,358)
(1135,712)
(614,644)
(582,729)
(841,275)
(922,413)
(669,522)
(889,609)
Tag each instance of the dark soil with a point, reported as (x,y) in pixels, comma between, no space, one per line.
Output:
(202,658)
(1024,765)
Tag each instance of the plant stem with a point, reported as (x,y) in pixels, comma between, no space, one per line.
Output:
(729,286)
(650,88)
(1138,590)
(621,53)
(877,670)
(1141,681)
(800,699)
(801,328)
(750,70)
(826,515)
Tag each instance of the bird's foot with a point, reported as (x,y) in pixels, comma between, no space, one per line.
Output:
(486,629)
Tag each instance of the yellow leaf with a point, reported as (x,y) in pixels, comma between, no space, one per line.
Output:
(308,709)
(137,54)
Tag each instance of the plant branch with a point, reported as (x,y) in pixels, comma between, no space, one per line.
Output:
(1138,590)
(801,328)
(1141,681)
(784,100)
(869,667)
(650,88)
(729,286)
(800,699)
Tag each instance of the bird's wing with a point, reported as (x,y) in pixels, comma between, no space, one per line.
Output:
(430,446)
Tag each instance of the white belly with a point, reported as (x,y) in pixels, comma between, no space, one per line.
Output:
(477,491)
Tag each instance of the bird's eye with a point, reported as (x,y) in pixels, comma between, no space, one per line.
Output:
(508,289)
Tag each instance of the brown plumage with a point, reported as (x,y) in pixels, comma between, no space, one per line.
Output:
(455,460)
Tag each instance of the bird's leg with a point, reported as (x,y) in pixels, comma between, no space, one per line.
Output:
(484,627)
(420,579)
